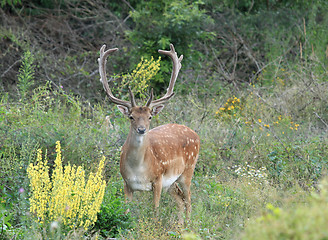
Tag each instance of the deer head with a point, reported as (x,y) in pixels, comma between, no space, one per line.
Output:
(127,107)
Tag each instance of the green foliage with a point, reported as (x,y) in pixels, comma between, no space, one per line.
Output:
(113,217)
(5,213)
(159,23)
(11,3)
(26,74)
(301,160)
(43,117)
(303,221)
(139,79)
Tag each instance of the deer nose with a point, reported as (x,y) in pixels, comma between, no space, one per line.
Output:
(141,130)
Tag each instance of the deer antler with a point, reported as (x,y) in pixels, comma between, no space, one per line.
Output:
(175,71)
(102,71)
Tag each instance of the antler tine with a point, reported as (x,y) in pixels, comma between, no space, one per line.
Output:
(175,71)
(102,60)
(150,98)
(133,101)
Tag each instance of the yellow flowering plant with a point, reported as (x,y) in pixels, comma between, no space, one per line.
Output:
(230,109)
(140,77)
(66,196)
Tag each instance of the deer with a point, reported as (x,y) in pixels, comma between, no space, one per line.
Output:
(158,159)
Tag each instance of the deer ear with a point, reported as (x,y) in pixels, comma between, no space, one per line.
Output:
(123,109)
(156,109)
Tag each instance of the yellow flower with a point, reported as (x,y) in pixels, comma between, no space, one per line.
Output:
(66,196)
(260,120)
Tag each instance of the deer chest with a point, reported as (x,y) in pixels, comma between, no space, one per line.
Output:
(137,179)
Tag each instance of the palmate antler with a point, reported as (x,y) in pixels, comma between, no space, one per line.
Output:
(150,103)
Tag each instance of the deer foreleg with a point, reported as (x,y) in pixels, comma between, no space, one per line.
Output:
(157,190)
(128,193)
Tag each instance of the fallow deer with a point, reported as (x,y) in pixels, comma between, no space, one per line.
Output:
(162,158)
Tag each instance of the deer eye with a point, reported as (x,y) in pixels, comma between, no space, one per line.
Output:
(131,117)
(150,117)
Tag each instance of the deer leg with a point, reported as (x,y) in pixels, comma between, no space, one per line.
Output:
(128,193)
(185,185)
(157,190)
(177,194)
(128,196)
(187,200)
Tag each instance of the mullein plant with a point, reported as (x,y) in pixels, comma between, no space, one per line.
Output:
(66,196)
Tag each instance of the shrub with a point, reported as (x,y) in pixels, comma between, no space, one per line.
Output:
(112,216)
(139,79)
(65,196)
(306,221)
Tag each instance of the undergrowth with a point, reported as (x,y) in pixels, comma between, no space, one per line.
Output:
(251,155)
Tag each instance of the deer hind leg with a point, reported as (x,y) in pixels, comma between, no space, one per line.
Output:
(187,199)
(178,195)
(185,182)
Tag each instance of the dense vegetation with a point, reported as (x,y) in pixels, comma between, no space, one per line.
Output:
(253,85)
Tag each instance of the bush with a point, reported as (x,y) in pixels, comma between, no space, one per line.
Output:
(113,217)
(303,221)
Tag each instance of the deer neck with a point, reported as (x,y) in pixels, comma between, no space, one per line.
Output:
(136,147)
